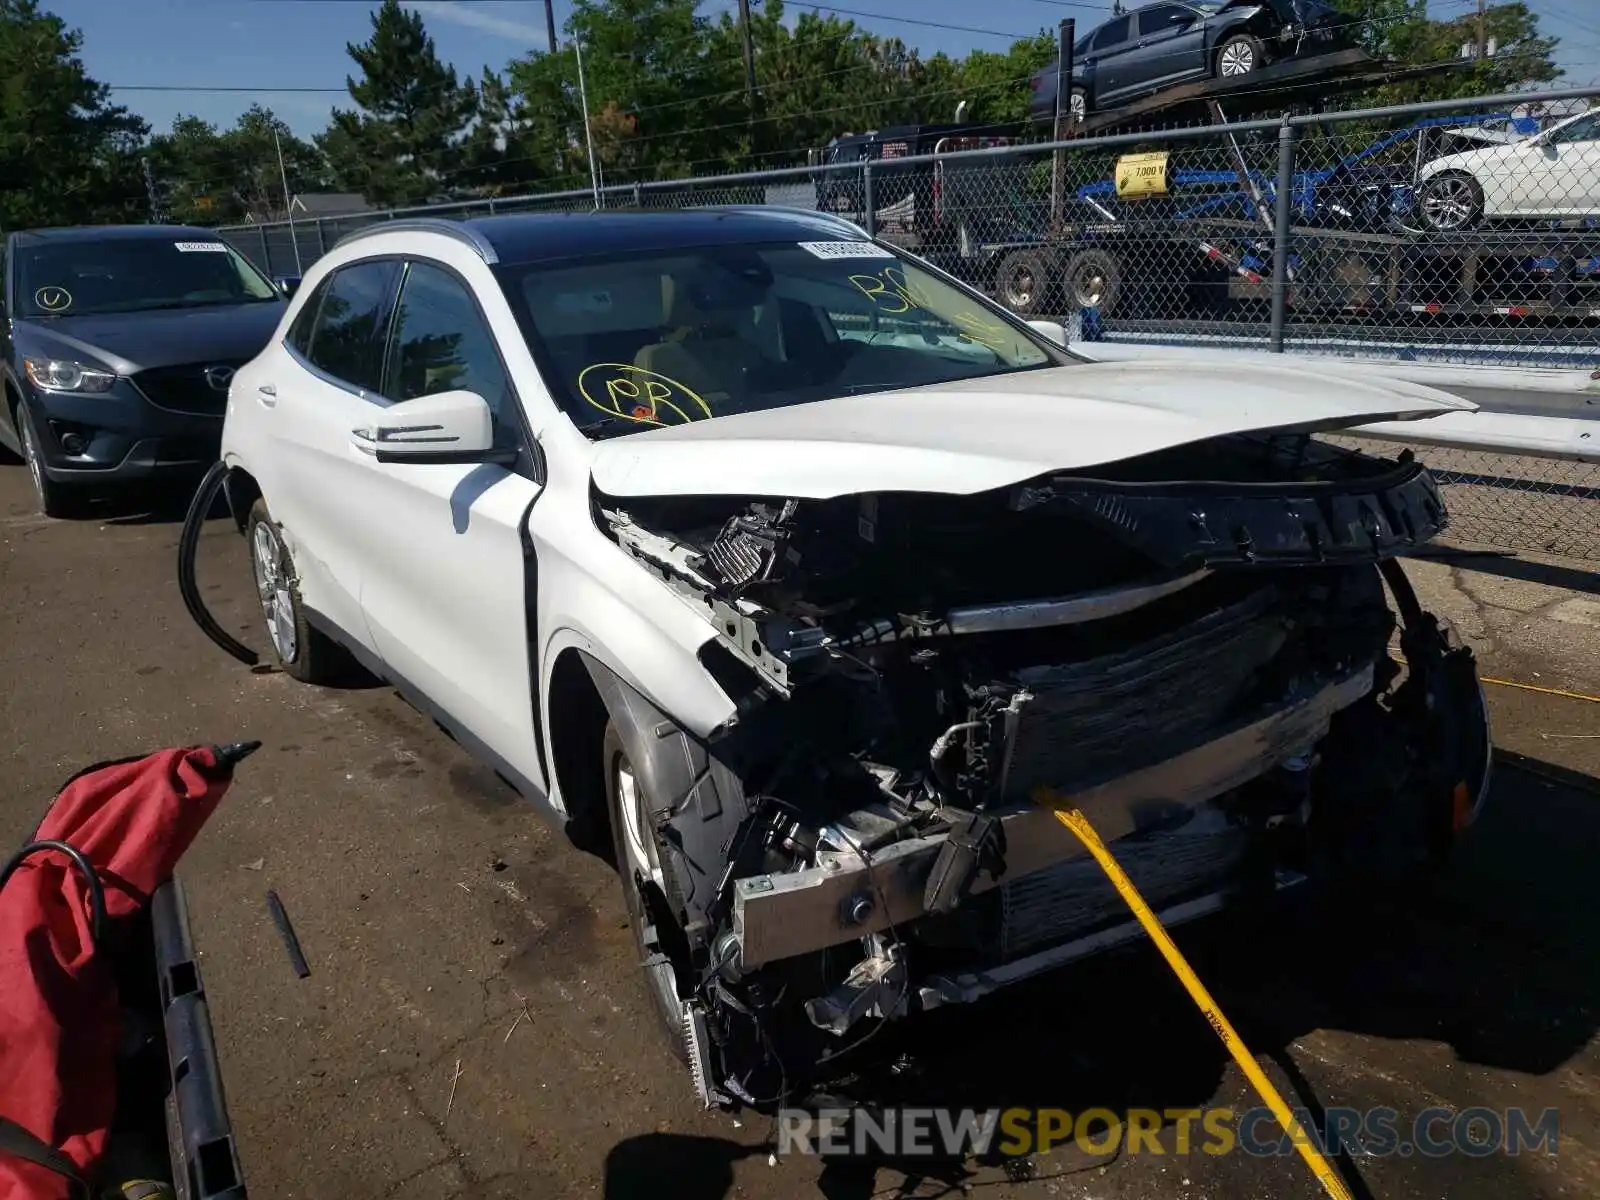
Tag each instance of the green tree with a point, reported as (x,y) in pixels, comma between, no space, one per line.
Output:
(997,84)
(403,144)
(70,155)
(1402,31)
(216,177)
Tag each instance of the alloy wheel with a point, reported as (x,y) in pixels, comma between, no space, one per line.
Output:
(638,839)
(272,585)
(1448,203)
(1238,59)
(30,451)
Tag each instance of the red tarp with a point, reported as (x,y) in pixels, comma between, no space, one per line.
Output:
(58,999)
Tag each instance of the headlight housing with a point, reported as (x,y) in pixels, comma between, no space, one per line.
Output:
(64,375)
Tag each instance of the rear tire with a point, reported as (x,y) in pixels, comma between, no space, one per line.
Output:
(1093,279)
(648,893)
(305,653)
(1024,283)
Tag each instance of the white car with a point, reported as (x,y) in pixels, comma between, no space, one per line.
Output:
(798,568)
(1552,174)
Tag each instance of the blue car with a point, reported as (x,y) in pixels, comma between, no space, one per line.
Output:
(1160,45)
(118,346)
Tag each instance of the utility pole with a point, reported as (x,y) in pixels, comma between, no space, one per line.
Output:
(1066,36)
(158,212)
(749,64)
(588,138)
(550,25)
(288,204)
(1483,35)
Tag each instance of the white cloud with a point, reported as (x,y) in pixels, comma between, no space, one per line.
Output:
(473,16)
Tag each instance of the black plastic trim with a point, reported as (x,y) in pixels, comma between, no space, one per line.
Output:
(205,1159)
(1205,523)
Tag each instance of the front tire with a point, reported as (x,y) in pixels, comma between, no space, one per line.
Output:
(647,889)
(55,500)
(305,653)
(1449,202)
(1239,55)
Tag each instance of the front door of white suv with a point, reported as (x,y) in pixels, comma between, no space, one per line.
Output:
(444,580)
(300,400)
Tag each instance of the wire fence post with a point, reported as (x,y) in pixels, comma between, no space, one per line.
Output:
(638,195)
(266,249)
(870,217)
(1280,233)
(322,239)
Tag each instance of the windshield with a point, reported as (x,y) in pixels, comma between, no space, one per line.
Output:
(113,275)
(636,342)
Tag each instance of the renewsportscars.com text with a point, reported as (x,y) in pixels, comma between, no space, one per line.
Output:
(1012,1132)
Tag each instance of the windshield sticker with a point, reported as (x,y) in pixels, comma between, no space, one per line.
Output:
(833,250)
(53,299)
(635,394)
(193,247)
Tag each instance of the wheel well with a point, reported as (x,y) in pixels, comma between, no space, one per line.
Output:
(242,491)
(578,719)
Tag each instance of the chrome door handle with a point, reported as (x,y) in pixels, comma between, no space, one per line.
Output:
(267,395)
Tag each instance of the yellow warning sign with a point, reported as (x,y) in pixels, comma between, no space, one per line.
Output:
(1142,175)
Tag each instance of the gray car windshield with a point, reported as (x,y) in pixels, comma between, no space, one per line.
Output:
(117,275)
(638,342)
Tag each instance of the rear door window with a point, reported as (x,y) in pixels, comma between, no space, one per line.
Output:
(347,337)
(1112,34)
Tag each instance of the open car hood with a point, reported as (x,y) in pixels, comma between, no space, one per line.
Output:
(975,435)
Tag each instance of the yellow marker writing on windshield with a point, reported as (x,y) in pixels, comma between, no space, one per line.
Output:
(635,394)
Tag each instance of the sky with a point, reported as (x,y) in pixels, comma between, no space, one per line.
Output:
(279,52)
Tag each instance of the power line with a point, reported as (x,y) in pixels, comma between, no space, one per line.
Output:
(855,12)
(206,87)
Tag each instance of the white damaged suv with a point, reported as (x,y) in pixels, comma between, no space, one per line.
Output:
(788,569)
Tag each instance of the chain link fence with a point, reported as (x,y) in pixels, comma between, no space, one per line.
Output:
(1464,232)
(1509,501)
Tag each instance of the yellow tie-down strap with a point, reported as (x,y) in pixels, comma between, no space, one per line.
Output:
(1074,820)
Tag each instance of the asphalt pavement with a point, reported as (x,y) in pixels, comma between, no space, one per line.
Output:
(473,1024)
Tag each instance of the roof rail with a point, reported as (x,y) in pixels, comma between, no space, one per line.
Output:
(451,229)
(795,209)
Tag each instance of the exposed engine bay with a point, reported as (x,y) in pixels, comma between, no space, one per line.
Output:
(1194,646)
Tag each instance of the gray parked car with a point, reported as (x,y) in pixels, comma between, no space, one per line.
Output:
(117,344)
(1159,45)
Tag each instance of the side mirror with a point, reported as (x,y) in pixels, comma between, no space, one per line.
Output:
(1052,331)
(288,284)
(446,428)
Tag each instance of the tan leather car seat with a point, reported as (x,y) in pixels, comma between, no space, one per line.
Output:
(709,352)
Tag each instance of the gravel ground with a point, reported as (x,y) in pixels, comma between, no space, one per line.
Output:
(434,909)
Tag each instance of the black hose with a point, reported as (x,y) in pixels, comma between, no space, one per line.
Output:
(97,895)
(188,542)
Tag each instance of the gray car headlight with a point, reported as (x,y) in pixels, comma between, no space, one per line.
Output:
(64,375)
